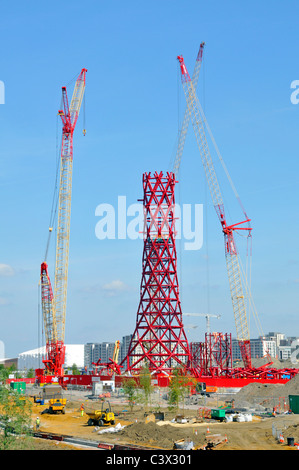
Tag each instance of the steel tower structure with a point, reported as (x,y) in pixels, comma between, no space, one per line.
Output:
(159,341)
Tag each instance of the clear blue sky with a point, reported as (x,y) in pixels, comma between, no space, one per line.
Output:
(134,104)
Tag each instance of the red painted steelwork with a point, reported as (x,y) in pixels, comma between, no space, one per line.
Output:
(159,339)
(55,349)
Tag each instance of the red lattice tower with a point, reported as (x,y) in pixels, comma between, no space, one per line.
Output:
(159,341)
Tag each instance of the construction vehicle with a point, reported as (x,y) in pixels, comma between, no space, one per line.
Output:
(102,417)
(54,302)
(57,405)
(195,113)
(53,394)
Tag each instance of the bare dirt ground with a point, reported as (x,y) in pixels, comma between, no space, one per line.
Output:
(254,435)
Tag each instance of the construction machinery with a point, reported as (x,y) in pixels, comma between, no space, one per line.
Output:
(54,303)
(195,112)
(207,317)
(57,405)
(102,417)
(52,394)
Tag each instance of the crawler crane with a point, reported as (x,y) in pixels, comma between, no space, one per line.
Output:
(231,252)
(54,304)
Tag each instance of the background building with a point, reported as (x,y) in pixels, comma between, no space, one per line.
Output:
(74,354)
(259,348)
(104,351)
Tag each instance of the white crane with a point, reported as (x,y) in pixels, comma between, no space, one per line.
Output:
(206,315)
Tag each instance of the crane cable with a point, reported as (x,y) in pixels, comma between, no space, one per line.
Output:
(55,199)
(55,193)
(222,161)
(206,204)
(246,274)
(51,223)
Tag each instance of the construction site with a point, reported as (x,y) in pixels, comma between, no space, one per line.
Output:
(251,406)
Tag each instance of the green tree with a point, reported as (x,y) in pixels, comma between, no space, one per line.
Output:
(130,389)
(177,388)
(6,371)
(75,370)
(15,417)
(30,373)
(145,384)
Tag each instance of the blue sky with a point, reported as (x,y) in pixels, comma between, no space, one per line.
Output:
(134,106)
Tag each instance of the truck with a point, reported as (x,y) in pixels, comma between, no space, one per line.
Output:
(53,393)
(102,417)
(57,405)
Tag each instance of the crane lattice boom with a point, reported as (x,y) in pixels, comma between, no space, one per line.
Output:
(186,120)
(69,116)
(231,253)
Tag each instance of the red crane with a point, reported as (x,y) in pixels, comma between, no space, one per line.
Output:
(231,252)
(55,348)
(54,304)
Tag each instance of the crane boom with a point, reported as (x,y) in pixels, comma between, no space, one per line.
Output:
(69,116)
(186,120)
(231,253)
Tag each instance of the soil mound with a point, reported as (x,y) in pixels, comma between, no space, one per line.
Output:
(159,436)
(257,393)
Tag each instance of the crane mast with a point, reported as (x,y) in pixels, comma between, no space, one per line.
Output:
(55,348)
(54,305)
(231,252)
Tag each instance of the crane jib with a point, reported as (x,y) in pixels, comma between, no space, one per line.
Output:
(231,254)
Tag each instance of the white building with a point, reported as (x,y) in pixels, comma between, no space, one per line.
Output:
(74,354)
(284,352)
(260,347)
